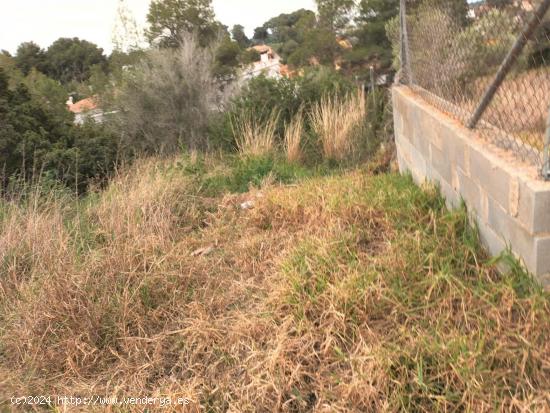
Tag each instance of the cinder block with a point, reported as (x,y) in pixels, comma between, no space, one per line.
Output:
(513,197)
(526,207)
(412,161)
(415,132)
(471,192)
(491,177)
(452,198)
(454,146)
(543,256)
(490,239)
(435,135)
(417,161)
(440,162)
(534,208)
(545,280)
(541,212)
(403,107)
(510,229)
(467,163)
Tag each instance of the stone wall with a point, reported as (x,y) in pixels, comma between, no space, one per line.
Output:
(510,203)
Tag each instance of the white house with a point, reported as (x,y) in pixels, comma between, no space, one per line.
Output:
(86,109)
(268,65)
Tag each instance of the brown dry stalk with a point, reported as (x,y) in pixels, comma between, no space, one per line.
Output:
(336,121)
(293,137)
(253,136)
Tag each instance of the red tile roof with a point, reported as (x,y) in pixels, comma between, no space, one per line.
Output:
(83,105)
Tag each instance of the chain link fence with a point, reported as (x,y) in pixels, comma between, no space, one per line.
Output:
(487,64)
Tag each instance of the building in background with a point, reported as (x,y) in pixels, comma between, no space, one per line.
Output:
(85,109)
(269,64)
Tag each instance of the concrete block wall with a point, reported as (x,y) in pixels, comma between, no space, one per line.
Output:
(510,203)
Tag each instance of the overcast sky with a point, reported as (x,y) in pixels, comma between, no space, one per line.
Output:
(44,21)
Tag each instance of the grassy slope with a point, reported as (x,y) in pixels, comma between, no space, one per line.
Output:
(344,292)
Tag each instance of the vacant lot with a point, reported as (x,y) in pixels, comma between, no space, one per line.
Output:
(339,291)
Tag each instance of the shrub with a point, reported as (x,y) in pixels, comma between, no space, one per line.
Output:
(39,141)
(167,100)
(262,96)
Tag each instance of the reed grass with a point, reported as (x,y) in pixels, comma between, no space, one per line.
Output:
(338,122)
(254,136)
(294,132)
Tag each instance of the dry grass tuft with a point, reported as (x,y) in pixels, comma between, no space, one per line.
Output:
(337,122)
(293,138)
(255,137)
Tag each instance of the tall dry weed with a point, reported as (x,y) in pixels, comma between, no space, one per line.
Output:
(254,136)
(337,121)
(293,137)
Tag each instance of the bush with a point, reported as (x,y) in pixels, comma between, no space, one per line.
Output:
(263,96)
(38,140)
(89,158)
(167,101)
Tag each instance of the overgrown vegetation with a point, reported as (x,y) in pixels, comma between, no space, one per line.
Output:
(166,102)
(349,292)
(38,140)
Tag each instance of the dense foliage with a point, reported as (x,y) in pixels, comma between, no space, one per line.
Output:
(38,140)
(168,19)
(165,102)
(65,60)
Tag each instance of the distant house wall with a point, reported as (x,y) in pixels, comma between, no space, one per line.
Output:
(269,64)
(507,199)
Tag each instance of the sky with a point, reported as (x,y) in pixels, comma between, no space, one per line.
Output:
(44,21)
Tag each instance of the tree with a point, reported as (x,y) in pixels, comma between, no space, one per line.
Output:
(127,36)
(260,34)
(239,36)
(30,56)
(169,19)
(36,137)
(288,31)
(72,59)
(226,59)
(165,102)
(335,15)
(319,44)
(28,131)
(371,20)
(49,93)
(290,26)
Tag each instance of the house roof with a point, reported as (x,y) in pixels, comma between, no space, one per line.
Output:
(262,48)
(83,105)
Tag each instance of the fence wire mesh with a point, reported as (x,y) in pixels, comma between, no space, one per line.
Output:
(452,51)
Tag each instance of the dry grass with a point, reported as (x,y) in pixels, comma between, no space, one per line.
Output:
(336,121)
(293,138)
(255,137)
(352,293)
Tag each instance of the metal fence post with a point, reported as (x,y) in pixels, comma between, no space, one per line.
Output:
(372,85)
(546,151)
(406,74)
(508,62)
